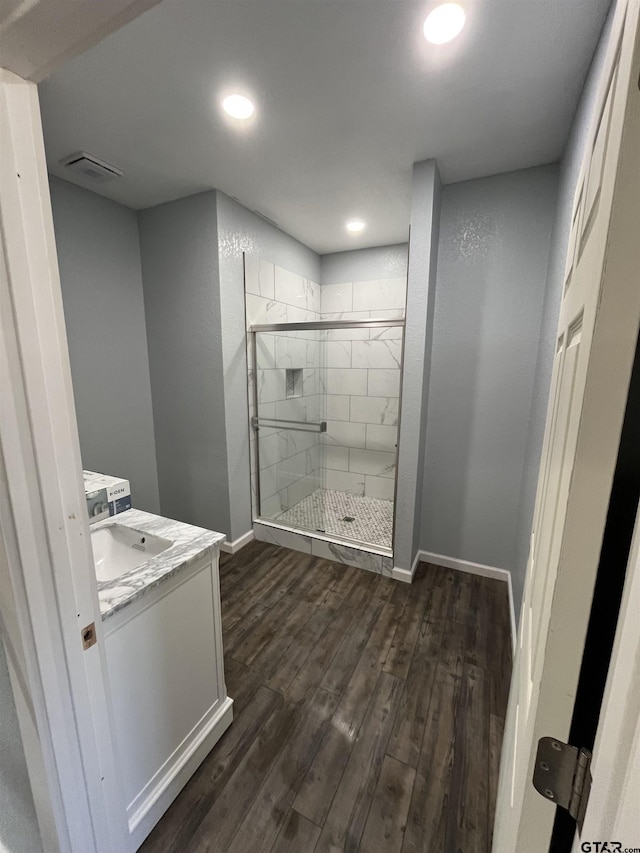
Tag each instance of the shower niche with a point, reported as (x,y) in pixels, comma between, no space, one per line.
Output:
(324,399)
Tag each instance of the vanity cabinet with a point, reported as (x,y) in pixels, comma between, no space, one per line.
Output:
(168,695)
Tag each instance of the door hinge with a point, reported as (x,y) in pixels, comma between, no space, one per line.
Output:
(562,774)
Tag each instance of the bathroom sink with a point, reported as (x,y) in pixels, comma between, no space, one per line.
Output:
(118,549)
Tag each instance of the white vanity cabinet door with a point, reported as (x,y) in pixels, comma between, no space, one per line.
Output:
(169,700)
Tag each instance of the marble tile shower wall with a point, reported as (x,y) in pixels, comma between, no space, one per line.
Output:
(362,382)
(350,378)
(291,462)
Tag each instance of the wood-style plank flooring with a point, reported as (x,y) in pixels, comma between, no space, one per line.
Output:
(368,713)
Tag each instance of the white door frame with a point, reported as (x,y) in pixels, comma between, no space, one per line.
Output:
(612,813)
(48,591)
(595,351)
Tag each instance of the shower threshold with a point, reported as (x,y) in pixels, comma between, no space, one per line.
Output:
(372,558)
(356,519)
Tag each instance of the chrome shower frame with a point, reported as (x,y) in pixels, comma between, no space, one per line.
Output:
(321,325)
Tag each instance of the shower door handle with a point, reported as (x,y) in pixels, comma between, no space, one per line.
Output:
(299,426)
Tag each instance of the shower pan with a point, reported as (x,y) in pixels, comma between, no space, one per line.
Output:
(326,403)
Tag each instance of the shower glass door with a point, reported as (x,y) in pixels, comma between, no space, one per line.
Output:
(289,425)
(326,408)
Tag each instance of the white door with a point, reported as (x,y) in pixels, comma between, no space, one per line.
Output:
(48,592)
(613,813)
(598,327)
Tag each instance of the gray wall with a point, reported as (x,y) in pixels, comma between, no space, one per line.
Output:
(365,264)
(492,267)
(419,327)
(240,230)
(99,259)
(18,822)
(179,252)
(569,171)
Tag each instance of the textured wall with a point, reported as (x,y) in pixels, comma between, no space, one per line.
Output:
(240,230)
(492,266)
(182,301)
(421,282)
(570,167)
(365,264)
(99,259)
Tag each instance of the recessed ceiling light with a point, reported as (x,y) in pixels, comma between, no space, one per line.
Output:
(355,226)
(237,106)
(444,23)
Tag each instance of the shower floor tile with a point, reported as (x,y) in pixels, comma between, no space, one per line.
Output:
(325,510)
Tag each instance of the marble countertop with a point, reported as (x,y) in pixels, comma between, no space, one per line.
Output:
(190,543)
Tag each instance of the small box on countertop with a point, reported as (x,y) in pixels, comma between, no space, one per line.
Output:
(105,495)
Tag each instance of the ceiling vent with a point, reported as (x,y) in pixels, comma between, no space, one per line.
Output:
(91,167)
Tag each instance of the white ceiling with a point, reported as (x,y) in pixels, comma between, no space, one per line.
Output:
(37,36)
(349,96)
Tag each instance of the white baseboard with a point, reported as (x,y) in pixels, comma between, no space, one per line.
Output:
(237,544)
(403,575)
(475,569)
(465,566)
(406,575)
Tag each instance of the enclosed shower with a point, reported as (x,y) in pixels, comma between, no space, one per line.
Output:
(326,423)
(324,399)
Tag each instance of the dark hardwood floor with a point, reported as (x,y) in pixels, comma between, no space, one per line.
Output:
(368,713)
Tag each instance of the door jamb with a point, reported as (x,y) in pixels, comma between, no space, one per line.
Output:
(47,589)
(608,596)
